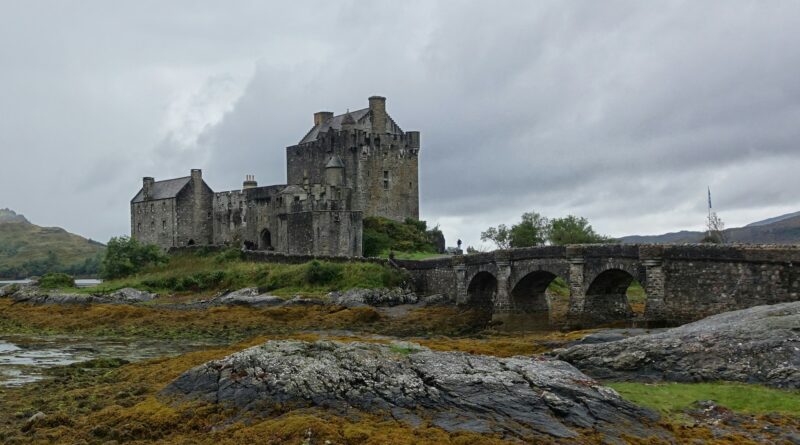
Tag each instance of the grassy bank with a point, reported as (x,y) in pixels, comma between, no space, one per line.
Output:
(671,398)
(201,275)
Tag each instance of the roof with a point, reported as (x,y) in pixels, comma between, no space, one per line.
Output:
(335,162)
(293,190)
(360,116)
(168,188)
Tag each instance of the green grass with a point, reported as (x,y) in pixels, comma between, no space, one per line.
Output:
(206,274)
(636,293)
(672,398)
(412,255)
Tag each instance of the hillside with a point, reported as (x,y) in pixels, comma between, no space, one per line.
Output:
(27,249)
(784,229)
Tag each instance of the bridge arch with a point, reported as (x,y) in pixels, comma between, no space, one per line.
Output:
(529,293)
(606,297)
(482,290)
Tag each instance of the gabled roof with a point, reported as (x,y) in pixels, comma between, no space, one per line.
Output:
(168,188)
(360,116)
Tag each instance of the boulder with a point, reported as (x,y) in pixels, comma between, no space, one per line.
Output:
(373,297)
(303,301)
(131,295)
(8,289)
(248,296)
(34,295)
(756,345)
(436,300)
(518,396)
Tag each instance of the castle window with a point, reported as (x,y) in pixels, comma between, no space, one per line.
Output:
(209,214)
(152,208)
(386,179)
(296,199)
(139,228)
(164,224)
(164,205)
(152,225)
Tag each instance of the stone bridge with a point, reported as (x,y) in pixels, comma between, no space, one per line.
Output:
(682,283)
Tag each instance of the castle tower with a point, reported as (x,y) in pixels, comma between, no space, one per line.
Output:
(379,160)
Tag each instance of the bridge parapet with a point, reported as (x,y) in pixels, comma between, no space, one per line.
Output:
(764,253)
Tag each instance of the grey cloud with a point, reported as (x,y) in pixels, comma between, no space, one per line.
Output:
(619,111)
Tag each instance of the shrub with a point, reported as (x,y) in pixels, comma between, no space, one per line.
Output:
(228,255)
(382,234)
(56,280)
(323,273)
(126,256)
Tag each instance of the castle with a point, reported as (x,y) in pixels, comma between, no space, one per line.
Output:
(345,168)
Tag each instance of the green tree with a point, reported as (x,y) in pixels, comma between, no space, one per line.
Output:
(574,230)
(531,231)
(126,256)
(500,235)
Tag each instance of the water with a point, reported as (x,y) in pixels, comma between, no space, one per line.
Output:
(23,359)
(81,282)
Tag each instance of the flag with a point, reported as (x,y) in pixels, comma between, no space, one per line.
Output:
(709,197)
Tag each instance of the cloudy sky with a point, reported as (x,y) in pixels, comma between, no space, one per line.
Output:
(622,112)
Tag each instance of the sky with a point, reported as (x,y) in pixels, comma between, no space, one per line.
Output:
(623,112)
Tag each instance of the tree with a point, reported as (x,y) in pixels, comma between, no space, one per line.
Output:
(716,229)
(126,256)
(499,235)
(531,231)
(574,230)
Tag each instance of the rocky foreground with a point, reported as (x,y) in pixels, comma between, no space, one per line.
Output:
(455,391)
(756,345)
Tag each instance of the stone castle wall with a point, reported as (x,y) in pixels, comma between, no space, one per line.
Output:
(155,222)
(382,170)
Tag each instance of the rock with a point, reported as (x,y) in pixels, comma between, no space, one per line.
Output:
(131,295)
(456,391)
(34,295)
(8,289)
(756,345)
(608,335)
(303,301)
(36,417)
(248,296)
(373,297)
(436,300)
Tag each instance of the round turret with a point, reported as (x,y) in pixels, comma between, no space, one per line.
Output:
(334,171)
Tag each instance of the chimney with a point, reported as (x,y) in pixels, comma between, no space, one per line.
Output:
(377,110)
(197,175)
(147,186)
(321,116)
(249,182)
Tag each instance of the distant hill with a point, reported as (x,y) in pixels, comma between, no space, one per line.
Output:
(774,220)
(27,249)
(784,229)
